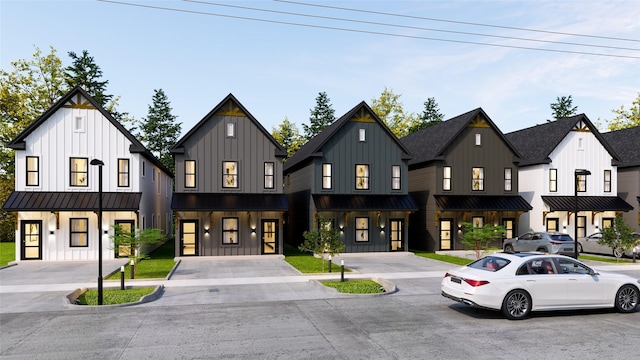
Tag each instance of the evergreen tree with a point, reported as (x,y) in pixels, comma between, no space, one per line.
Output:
(159,129)
(85,72)
(288,136)
(322,116)
(562,108)
(431,115)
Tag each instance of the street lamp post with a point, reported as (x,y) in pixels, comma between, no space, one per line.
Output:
(578,173)
(99,163)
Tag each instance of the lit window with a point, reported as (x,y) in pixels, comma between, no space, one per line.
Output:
(78,171)
(362,229)
(553,180)
(190,173)
(326,176)
(79,230)
(230,230)
(362,135)
(478,139)
(33,171)
(362,177)
(446,178)
(231,130)
(477,183)
(395,177)
(507,179)
(477,221)
(582,183)
(230,175)
(607,181)
(268,175)
(123,172)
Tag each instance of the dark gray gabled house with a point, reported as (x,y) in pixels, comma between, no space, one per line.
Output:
(463,170)
(354,173)
(228,198)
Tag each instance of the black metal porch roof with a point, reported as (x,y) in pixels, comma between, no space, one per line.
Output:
(482,203)
(71,201)
(586,203)
(228,202)
(364,202)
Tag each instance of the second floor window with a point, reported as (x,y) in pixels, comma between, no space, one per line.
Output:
(477,182)
(33,171)
(230,175)
(507,179)
(362,177)
(326,176)
(553,180)
(190,173)
(123,172)
(582,183)
(607,181)
(78,172)
(268,175)
(446,178)
(395,177)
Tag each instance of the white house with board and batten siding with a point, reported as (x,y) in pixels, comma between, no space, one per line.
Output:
(56,187)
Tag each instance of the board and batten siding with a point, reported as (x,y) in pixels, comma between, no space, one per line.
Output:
(209,147)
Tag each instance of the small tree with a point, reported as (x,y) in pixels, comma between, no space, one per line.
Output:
(322,240)
(322,115)
(562,108)
(136,241)
(618,236)
(479,237)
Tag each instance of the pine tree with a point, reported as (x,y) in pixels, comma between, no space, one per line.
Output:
(431,115)
(87,74)
(159,129)
(562,108)
(322,116)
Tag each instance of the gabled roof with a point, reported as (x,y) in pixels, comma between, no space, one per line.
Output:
(313,147)
(232,105)
(429,144)
(536,143)
(626,143)
(71,97)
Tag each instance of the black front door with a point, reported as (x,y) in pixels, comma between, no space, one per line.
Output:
(269,236)
(126,227)
(396,235)
(31,238)
(188,238)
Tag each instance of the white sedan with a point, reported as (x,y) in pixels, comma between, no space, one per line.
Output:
(520,283)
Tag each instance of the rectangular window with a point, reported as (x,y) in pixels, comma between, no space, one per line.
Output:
(582,183)
(477,221)
(79,232)
(78,124)
(446,178)
(326,176)
(607,181)
(362,229)
(123,172)
(395,177)
(189,173)
(362,177)
(231,130)
(507,179)
(144,168)
(33,171)
(78,172)
(268,175)
(230,175)
(552,224)
(582,227)
(553,180)
(362,135)
(229,230)
(477,183)
(478,139)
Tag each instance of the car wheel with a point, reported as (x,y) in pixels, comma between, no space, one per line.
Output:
(580,248)
(516,305)
(627,298)
(508,249)
(544,250)
(617,252)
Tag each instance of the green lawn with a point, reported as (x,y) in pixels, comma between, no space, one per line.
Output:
(157,264)
(446,258)
(114,296)
(355,286)
(606,259)
(306,263)
(7,252)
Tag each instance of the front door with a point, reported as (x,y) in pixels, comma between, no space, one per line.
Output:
(31,237)
(269,236)
(445,234)
(396,237)
(126,228)
(189,238)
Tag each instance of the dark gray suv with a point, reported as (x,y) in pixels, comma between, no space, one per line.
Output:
(552,243)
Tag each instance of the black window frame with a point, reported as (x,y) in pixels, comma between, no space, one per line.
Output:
(396,179)
(234,176)
(553,180)
(447,181)
(508,181)
(188,175)
(31,171)
(480,179)
(328,177)
(360,232)
(72,232)
(607,181)
(122,161)
(366,178)
(271,176)
(231,232)
(72,172)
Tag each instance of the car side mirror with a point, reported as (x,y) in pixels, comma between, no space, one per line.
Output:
(592,272)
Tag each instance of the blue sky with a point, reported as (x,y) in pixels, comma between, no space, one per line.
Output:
(276,70)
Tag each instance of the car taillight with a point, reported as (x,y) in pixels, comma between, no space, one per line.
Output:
(447,275)
(476,283)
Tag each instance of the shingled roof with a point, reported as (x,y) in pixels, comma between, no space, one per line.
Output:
(536,143)
(429,144)
(136,146)
(626,143)
(313,148)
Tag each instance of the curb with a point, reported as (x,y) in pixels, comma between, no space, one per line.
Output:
(69,300)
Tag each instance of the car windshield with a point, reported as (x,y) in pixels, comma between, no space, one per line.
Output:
(561,237)
(489,263)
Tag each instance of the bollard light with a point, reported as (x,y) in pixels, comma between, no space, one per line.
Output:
(122,277)
(329,262)
(342,270)
(132,265)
